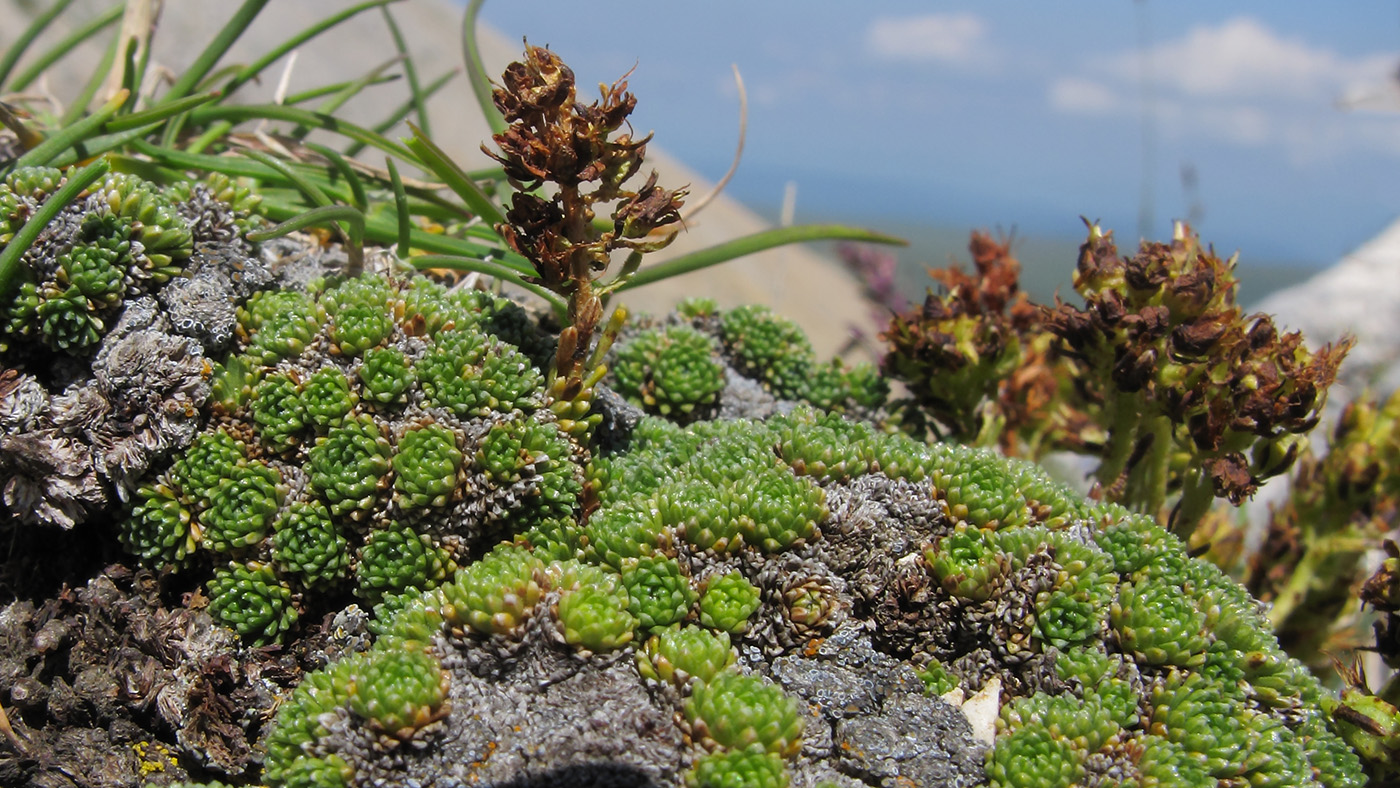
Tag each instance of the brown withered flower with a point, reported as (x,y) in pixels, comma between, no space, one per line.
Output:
(569,161)
(978,361)
(1198,396)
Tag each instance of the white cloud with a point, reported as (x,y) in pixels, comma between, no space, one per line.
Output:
(1239,82)
(1086,96)
(958,39)
(1243,58)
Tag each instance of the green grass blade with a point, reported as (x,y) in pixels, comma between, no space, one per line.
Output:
(100,144)
(158,113)
(751,244)
(252,70)
(385,232)
(490,268)
(216,49)
(94,83)
(400,208)
(240,113)
(326,90)
(21,44)
(332,214)
(357,187)
(311,191)
(68,44)
(335,102)
(476,70)
(67,137)
(11,257)
(383,126)
(410,70)
(438,163)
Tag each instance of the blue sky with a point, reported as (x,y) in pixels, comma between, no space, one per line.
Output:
(1020,114)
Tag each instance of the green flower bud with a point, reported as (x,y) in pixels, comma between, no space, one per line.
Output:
(727,603)
(426,467)
(495,595)
(659,593)
(397,558)
(399,692)
(385,376)
(209,460)
(348,466)
(278,412)
(679,654)
(595,616)
(306,543)
(745,712)
(1032,757)
(241,507)
(158,529)
(741,769)
(249,599)
(327,398)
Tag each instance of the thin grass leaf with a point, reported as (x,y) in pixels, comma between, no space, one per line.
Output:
(751,244)
(400,208)
(252,70)
(56,52)
(384,232)
(158,113)
(476,70)
(326,90)
(94,83)
(326,214)
(72,135)
(11,256)
(402,111)
(240,167)
(336,101)
(490,268)
(311,191)
(21,44)
(216,49)
(438,163)
(240,113)
(410,70)
(357,187)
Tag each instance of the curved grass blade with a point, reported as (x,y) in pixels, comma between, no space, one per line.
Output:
(332,214)
(216,49)
(490,268)
(437,162)
(252,70)
(55,53)
(400,208)
(357,187)
(94,83)
(476,70)
(326,90)
(240,113)
(403,109)
(158,113)
(420,104)
(10,256)
(336,101)
(72,135)
(750,244)
(311,191)
(21,44)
